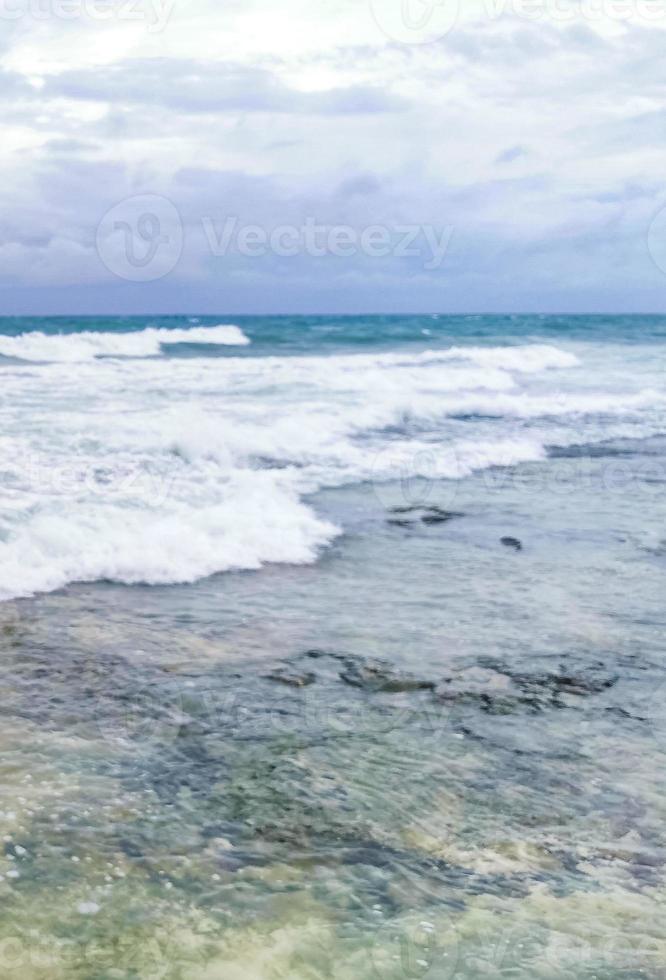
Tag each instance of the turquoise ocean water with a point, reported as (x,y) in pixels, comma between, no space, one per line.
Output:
(333,647)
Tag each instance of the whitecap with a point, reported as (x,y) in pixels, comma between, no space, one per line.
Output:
(166,470)
(88,345)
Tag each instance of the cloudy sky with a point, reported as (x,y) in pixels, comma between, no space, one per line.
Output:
(332,156)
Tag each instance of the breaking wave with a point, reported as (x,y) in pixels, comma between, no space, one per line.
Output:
(141,468)
(86,346)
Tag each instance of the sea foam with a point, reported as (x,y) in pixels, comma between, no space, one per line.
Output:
(141,468)
(88,345)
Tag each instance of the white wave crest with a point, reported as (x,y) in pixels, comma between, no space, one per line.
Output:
(528,358)
(86,346)
(165,470)
(252,520)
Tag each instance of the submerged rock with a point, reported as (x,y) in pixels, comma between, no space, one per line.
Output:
(292,678)
(493,690)
(491,684)
(500,689)
(437,516)
(409,516)
(317,654)
(367,674)
(381,677)
(565,682)
(514,543)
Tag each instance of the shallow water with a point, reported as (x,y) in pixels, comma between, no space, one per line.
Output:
(171,810)
(178,814)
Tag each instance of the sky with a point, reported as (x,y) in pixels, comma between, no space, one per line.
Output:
(342,156)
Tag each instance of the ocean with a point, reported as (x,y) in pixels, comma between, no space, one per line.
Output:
(333,647)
